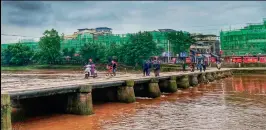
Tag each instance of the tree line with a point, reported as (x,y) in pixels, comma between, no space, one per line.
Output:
(140,46)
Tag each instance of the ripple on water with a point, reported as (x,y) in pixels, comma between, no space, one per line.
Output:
(214,110)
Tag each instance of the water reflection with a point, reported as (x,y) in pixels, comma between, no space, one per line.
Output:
(238,102)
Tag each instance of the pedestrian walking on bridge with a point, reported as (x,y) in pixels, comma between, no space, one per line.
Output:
(156,67)
(145,68)
(114,66)
(149,67)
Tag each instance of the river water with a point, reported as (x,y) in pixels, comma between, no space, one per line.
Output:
(235,103)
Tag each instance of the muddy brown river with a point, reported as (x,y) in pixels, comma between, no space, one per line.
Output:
(235,103)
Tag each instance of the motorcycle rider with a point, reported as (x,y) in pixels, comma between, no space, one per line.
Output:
(90,69)
(87,70)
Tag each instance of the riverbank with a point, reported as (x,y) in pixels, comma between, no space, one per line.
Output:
(40,67)
(100,67)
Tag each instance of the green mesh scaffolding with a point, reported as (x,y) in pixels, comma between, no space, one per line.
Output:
(81,39)
(250,40)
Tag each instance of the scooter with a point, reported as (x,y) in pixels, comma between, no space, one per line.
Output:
(90,71)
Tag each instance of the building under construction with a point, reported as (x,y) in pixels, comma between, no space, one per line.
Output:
(251,40)
(102,35)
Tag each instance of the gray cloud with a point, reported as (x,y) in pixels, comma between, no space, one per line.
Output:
(128,16)
(20,13)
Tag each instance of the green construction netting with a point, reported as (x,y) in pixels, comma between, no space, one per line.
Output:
(251,39)
(159,37)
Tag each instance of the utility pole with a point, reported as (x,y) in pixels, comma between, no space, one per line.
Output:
(168,51)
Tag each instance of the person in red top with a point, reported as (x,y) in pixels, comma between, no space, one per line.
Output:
(109,69)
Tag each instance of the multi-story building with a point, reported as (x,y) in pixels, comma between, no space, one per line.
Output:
(103,30)
(251,40)
(206,43)
(167,30)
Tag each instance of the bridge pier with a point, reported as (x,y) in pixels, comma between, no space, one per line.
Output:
(80,103)
(202,78)
(209,76)
(19,114)
(193,80)
(153,88)
(126,93)
(168,85)
(223,74)
(215,76)
(219,75)
(228,73)
(183,81)
(5,112)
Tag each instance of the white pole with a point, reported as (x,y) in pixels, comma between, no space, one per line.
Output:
(168,51)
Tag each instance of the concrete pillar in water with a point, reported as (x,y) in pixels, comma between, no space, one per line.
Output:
(126,93)
(168,85)
(153,88)
(183,81)
(230,73)
(223,74)
(193,80)
(209,77)
(202,78)
(226,74)
(219,75)
(5,112)
(80,103)
(19,113)
(214,75)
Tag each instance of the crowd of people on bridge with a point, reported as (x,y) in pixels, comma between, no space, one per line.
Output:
(148,65)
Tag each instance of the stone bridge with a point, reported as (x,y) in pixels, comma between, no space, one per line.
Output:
(76,95)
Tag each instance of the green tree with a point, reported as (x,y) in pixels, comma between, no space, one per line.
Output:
(72,52)
(16,54)
(113,50)
(180,41)
(65,52)
(94,51)
(50,47)
(140,46)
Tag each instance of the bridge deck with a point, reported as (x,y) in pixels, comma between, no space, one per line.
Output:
(18,85)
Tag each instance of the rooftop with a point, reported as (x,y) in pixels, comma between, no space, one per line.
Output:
(103,28)
(166,30)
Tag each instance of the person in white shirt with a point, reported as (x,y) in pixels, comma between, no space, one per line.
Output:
(87,70)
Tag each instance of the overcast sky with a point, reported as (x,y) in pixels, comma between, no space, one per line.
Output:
(33,18)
